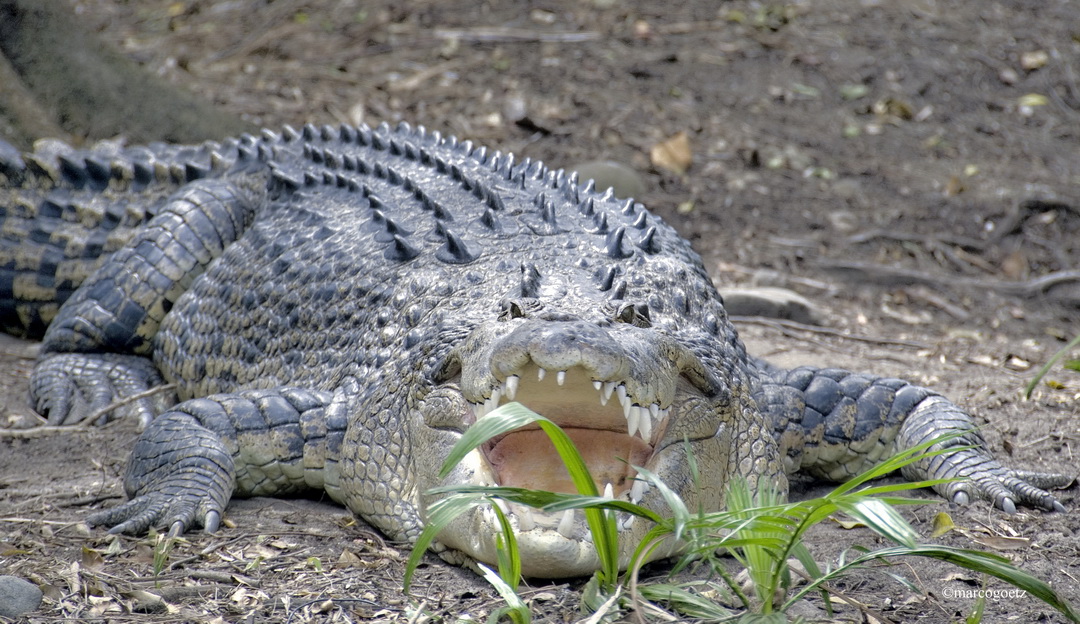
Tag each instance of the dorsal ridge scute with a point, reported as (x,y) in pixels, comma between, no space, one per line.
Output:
(454,249)
(616,244)
(530,281)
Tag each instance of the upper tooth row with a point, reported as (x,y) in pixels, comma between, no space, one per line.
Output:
(639,419)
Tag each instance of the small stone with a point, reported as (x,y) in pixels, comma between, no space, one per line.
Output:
(778,303)
(610,174)
(18,596)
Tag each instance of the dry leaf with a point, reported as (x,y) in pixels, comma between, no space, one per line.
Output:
(943,523)
(848,524)
(348,559)
(1000,542)
(92,559)
(673,155)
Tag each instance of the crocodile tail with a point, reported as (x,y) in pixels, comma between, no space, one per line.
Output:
(64,211)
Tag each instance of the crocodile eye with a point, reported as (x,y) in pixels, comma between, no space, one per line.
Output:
(636,314)
(519,308)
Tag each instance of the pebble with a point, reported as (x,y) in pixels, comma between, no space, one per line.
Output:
(18,596)
(610,174)
(778,303)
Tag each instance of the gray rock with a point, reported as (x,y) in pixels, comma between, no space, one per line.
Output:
(778,303)
(18,596)
(614,175)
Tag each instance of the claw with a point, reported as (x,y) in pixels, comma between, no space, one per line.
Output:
(1008,506)
(212,521)
(70,387)
(1058,507)
(961,498)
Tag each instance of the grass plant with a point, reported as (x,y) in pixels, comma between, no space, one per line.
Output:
(761,531)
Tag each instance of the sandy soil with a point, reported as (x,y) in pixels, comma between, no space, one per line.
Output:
(911,168)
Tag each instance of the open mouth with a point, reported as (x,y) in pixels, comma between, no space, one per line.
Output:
(612,430)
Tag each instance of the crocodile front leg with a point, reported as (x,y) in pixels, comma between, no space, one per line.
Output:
(97,349)
(189,462)
(834,424)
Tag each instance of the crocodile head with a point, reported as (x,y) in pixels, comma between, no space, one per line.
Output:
(627,394)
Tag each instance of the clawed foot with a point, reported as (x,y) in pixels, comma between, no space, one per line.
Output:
(180,477)
(159,509)
(70,388)
(1005,488)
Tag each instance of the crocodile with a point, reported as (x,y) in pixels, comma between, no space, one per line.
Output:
(334,306)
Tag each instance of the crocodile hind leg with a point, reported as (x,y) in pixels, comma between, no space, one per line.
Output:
(97,349)
(834,424)
(189,461)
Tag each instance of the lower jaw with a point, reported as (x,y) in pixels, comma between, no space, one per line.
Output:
(545,552)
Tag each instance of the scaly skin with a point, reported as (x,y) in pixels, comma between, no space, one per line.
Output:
(336,306)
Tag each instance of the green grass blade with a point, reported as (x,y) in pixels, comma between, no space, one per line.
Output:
(899,460)
(680,513)
(986,563)
(514,415)
(687,603)
(549,502)
(515,607)
(802,554)
(440,514)
(883,519)
(1049,364)
(509,558)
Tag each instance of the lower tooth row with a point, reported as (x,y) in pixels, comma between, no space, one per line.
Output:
(567,521)
(639,419)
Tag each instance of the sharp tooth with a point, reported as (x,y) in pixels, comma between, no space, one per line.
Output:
(628,407)
(496,394)
(597,384)
(609,387)
(540,372)
(654,410)
(566,525)
(560,377)
(627,524)
(511,386)
(603,399)
(525,519)
(621,391)
(645,425)
(609,492)
(477,410)
(638,489)
(502,505)
(633,419)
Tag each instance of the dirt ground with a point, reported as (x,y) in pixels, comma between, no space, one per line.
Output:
(912,168)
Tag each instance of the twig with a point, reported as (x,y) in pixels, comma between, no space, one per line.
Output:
(782,324)
(912,237)
(85,423)
(895,276)
(514,35)
(36,432)
(128,400)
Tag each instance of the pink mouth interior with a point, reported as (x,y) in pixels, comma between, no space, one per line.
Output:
(527,458)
